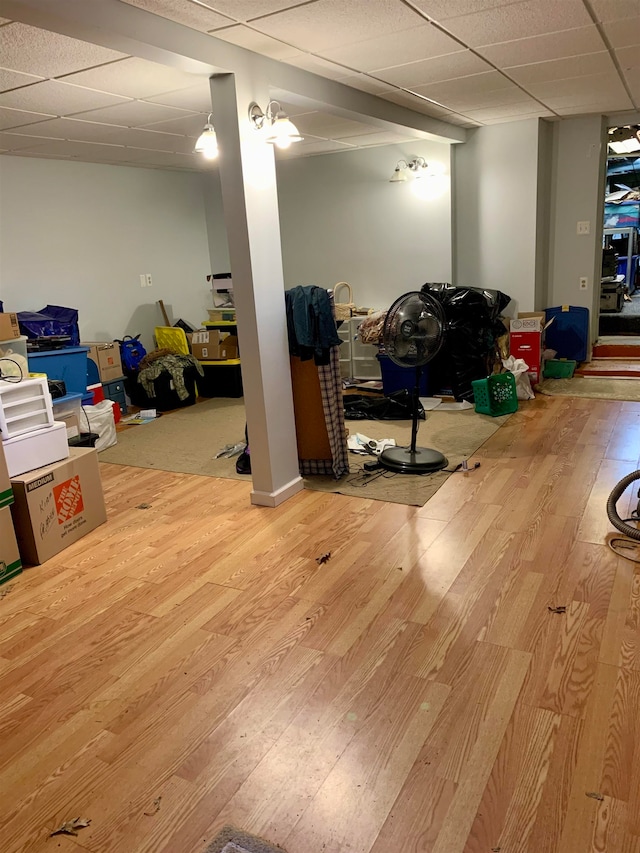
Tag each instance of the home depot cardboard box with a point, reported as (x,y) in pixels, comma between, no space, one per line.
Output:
(213,345)
(9,326)
(6,492)
(10,563)
(107,359)
(57,505)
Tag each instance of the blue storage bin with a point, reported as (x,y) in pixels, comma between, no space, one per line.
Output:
(69,365)
(395,378)
(568,335)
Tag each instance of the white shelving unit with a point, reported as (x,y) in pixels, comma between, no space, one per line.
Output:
(24,406)
(357,360)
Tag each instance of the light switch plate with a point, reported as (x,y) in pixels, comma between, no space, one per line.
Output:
(583,228)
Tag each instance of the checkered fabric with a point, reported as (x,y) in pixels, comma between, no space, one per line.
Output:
(331,390)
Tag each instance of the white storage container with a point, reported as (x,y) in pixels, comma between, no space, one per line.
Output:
(13,357)
(36,449)
(24,406)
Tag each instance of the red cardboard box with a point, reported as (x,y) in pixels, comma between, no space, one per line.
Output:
(528,346)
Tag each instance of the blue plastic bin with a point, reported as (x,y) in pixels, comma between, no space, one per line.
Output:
(395,378)
(69,365)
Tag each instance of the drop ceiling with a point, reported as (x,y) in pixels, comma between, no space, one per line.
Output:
(468,62)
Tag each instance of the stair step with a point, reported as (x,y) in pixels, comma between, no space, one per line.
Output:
(610,367)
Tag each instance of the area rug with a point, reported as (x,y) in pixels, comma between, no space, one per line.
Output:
(598,387)
(231,840)
(186,441)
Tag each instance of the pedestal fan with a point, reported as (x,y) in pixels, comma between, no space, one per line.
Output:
(412,335)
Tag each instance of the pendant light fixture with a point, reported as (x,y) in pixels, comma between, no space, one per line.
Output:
(279,129)
(207,142)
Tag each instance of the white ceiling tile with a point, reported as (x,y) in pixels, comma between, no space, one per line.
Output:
(607,105)
(61,99)
(196,98)
(558,69)
(442,10)
(16,141)
(504,119)
(18,118)
(245,10)
(75,149)
(47,54)
(623,33)
(161,158)
(189,125)
(330,126)
(419,105)
(629,59)
(149,139)
(394,48)
(192,15)
(526,108)
(13,79)
(578,87)
(134,78)
(365,84)
(68,128)
(613,10)
(545,47)
(519,20)
(257,42)
(460,64)
(317,65)
(133,114)
(327,24)
(38,155)
(474,84)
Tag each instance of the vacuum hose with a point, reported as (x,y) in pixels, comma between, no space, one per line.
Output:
(614,497)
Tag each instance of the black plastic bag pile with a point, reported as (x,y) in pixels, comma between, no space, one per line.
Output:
(473,326)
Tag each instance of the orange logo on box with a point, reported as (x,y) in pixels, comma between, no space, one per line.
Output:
(68,498)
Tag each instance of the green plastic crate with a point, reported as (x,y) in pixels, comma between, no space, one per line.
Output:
(559,368)
(495,395)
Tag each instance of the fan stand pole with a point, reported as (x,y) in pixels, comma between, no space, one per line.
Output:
(415,409)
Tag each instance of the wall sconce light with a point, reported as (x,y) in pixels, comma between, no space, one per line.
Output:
(207,142)
(281,131)
(405,171)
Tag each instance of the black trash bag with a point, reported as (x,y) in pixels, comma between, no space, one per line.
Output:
(396,407)
(473,326)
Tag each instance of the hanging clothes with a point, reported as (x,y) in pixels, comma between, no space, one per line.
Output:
(310,323)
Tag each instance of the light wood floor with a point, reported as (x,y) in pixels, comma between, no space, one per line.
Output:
(414,693)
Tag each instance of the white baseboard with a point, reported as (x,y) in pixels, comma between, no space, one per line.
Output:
(278,497)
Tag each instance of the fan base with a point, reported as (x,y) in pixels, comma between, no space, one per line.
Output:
(403,461)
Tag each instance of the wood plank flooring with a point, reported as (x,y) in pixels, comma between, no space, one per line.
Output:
(414,694)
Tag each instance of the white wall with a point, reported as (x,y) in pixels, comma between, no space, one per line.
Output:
(80,235)
(577,193)
(496,210)
(341,220)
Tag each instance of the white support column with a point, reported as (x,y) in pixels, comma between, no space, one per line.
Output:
(249,194)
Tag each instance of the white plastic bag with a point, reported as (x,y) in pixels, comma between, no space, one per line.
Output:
(102,422)
(519,368)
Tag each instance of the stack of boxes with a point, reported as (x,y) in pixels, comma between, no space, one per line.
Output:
(526,341)
(50,494)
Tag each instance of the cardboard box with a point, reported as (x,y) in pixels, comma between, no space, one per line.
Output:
(6,492)
(10,563)
(71,422)
(9,326)
(528,321)
(213,345)
(106,356)
(528,346)
(57,505)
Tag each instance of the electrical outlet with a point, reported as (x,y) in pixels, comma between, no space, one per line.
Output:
(143,280)
(148,277)
(584,281)
(583,228)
